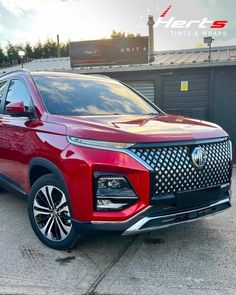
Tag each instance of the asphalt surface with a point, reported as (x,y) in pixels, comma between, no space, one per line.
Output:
(194,258)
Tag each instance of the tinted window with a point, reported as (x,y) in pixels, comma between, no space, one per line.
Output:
(72,96)
(17,92)
(2,89)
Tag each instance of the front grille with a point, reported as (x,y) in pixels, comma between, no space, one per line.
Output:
(174,171)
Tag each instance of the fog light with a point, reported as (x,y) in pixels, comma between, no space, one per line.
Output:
(113,193)
(104,204)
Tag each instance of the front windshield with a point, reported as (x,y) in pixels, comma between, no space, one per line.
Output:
(87,95)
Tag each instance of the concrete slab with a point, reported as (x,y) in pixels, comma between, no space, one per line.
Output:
(28,267)
(196,258)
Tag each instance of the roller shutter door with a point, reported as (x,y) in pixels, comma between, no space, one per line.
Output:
(224,102)
(147,88)
(192,103)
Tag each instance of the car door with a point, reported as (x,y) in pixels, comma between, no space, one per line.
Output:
(3,90)
(13,163)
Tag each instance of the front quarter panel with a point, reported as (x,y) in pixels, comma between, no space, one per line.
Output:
(79,165)
(44,140)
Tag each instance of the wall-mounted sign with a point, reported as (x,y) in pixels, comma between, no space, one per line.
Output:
(109,52)
(184,86)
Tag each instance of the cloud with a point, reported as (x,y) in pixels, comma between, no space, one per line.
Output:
(31,20)
(1,28)
(19,7)
(229,42)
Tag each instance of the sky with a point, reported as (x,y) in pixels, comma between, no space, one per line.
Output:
(33,20)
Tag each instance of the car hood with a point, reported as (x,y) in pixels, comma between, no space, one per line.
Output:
(137,129)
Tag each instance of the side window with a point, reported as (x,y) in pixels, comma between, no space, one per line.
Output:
(2,89)
(17,92)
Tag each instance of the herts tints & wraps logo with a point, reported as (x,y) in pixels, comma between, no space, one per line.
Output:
(203,26)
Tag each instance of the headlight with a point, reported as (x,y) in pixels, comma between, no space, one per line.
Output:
(98,143)
(113,193)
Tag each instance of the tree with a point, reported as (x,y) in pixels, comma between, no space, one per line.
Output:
(38,50)
(64,49)
(50,49)
(131,35)
(2,56)
(28,51)
(47,49)
(12,54)
(115,35)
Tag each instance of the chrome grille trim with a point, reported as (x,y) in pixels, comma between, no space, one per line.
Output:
(174,171)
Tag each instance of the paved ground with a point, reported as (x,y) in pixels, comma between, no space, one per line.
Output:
(195,258)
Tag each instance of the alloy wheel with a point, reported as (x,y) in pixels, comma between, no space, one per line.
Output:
(52,214)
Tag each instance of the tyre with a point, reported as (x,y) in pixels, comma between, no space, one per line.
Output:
(50,214)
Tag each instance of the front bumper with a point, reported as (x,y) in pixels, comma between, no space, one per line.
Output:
(152,219)
(165,181)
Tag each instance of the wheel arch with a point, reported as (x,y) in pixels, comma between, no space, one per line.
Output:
(41,166)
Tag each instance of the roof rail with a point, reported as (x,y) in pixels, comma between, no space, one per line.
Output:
(100,75)
(4,73)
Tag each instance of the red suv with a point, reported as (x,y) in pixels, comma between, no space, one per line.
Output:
(93,155)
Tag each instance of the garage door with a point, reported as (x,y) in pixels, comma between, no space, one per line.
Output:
(147,88)
(193,102)
(224,102)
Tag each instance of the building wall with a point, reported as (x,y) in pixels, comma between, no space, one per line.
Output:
(224,101)
(211,93)
(194,102)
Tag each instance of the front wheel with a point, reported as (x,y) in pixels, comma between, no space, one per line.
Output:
(50,215)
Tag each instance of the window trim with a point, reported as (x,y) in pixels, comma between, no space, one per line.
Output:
(5,96)
(39,95)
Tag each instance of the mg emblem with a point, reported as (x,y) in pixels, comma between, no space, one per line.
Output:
(199,157)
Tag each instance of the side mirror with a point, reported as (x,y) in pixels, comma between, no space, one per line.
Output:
(17,109)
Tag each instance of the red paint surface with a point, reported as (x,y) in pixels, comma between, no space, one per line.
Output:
(22,139)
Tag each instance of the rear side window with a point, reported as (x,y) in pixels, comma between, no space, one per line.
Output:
(2,89)
(17,92)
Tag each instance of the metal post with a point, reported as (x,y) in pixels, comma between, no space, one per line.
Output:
(150,24)
(21,53)
(208,41)
(58,46)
